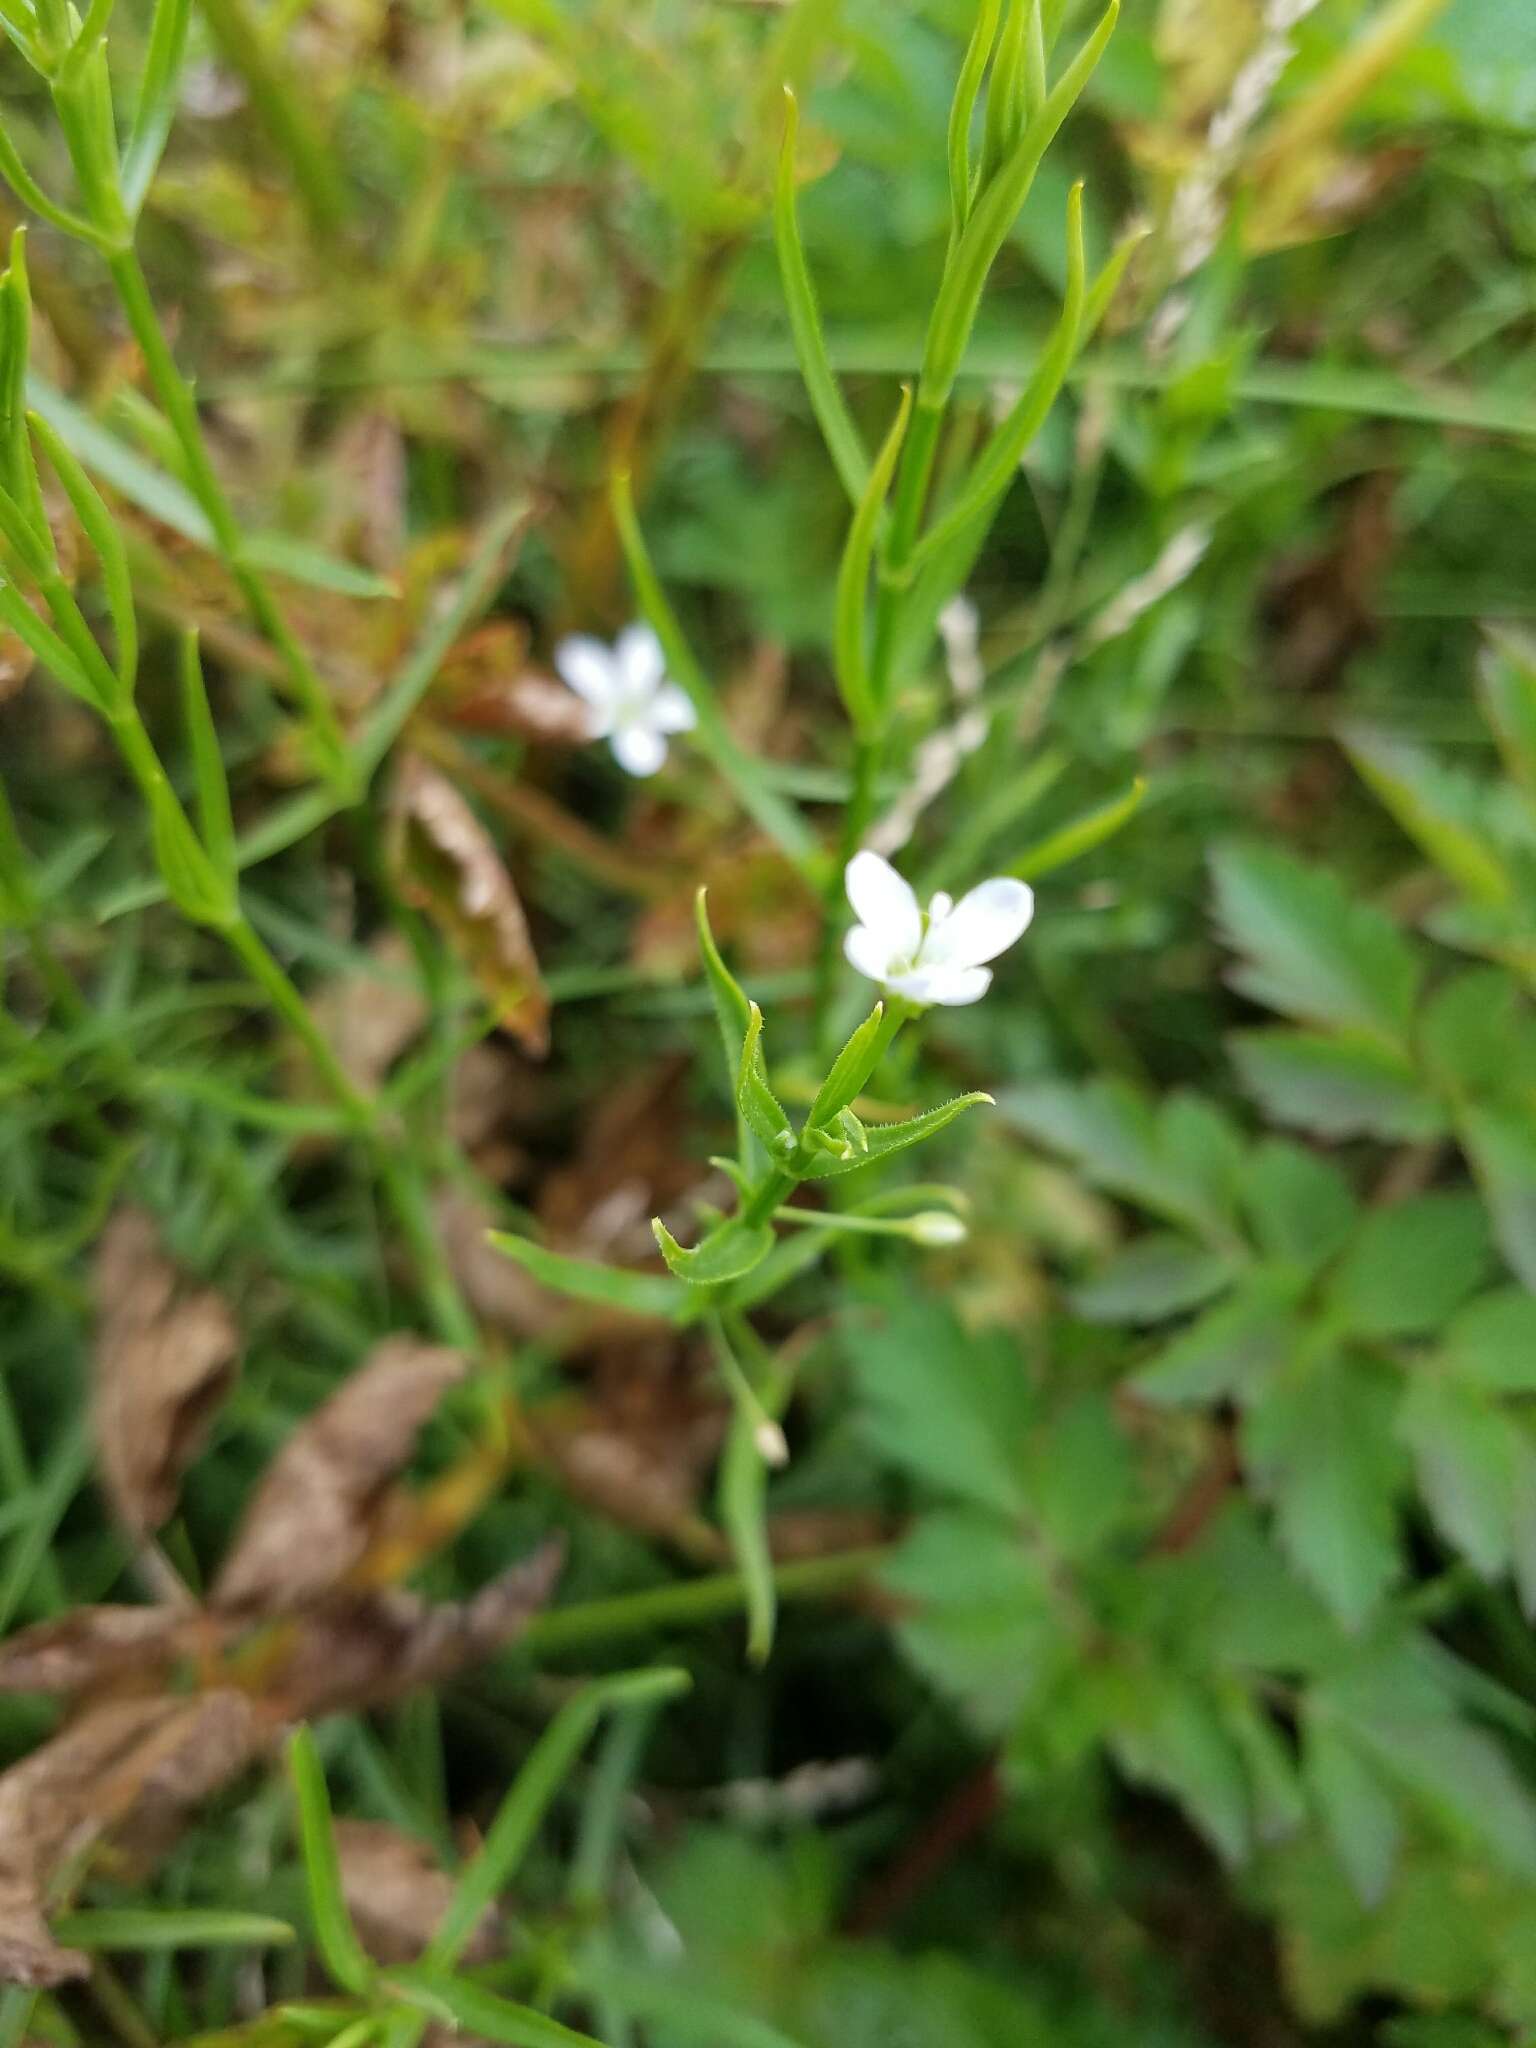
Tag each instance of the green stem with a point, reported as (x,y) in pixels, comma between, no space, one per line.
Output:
(180,406)
(868,755)
(692,1601)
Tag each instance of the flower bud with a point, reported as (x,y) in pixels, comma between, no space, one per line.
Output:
(936,1228)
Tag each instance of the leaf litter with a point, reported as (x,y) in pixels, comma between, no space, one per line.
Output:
(171,1703)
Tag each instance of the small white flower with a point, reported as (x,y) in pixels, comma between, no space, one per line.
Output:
(934,956)
(630,701)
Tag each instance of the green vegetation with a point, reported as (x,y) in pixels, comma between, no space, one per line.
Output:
(768,1076)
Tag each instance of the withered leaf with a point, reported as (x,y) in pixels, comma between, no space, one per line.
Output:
(448,865)
(164,1360)
(397,1892)
(127,1767)
(365,1649)
(313,1514)
(90,1647)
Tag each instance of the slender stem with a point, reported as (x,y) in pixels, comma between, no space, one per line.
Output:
(180,407)
(693,1600)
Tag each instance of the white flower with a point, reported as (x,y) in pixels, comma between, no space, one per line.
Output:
(937,956)
(630,701)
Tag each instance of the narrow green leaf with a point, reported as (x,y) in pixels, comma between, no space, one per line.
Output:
(997,466)
(150,1929)
(170,502)
(759,1107)
(156,108)
(728,1252)
(1007,110)
(488,2016)
(779,820)
(213,809)
(1444,812)
(1506,684)
(844,443)
(733,1013)
(885,1140)
(993,215)
(850,1071)
(50,650)
(743,1493)
(642,1294)
(101,531)
(962,114)
(850,625)
(343,1955)
(1081,835)
(494,1866)
(18,895)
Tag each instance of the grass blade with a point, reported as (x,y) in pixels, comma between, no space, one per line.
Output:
(533,1790)
(844,443)
(342,1953)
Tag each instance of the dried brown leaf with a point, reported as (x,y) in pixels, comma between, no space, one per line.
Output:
(448,865)
(315,1511)
(126,1767)
(91,1647)
(364,1649)
(397,1893)
(165,1358)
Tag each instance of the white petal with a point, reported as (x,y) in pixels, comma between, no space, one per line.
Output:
(639,748)
(884,902)
(588,667)
(639,660)
(958,985)
(982,924)
(867,951)
(671,710)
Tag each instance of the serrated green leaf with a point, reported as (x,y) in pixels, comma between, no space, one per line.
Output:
(1412,1265)
(1300,1206)
(1231,1350)
(1356,1805)
(727,1253)
(950,1407)
(979,1615)
(1176,1742)
(1156,1277)
(1468,1457)
(1336,1086)
(1500,1145)
(1312,949)
(1491,1343)
(1180,1162)
(1319,1445)
(642,1294)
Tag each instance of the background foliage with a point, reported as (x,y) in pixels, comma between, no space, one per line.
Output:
(1136,1643)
